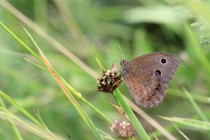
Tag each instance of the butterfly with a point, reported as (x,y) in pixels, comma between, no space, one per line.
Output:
(147,77)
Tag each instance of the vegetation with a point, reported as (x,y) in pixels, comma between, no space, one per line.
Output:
(50,58)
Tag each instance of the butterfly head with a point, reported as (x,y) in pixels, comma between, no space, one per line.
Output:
(123,62)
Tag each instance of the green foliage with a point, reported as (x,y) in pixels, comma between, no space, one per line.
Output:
(72,34)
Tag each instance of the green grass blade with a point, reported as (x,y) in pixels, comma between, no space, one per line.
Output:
(196,107)
(20,41)
(135,122)
(28,126)
(196,49)
(83,114)
(99,63)
(75,93)
(96,110)
(197,97)
(25,112)
(17,133)
(189,122)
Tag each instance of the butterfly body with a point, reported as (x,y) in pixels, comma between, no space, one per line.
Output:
(147,77)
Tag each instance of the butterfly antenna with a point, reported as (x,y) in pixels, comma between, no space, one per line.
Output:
(114,54)
(121,51)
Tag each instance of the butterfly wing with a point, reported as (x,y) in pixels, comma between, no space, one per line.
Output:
(147,77)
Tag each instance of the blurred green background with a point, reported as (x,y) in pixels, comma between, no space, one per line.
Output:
(91,29)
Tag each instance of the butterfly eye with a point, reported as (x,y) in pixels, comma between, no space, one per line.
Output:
(158,72)
(163,61)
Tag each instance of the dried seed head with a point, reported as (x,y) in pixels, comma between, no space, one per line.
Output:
(109,80)
(123,129)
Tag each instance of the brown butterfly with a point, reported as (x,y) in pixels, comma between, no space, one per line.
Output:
(147,77)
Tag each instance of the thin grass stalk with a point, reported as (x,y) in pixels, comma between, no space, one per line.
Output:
(16,131)
(75,93)
(195,106)
(135,122)
(15,104)
(68,94)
